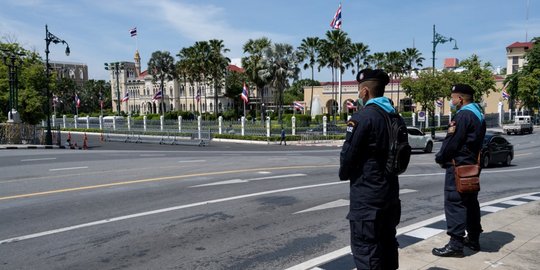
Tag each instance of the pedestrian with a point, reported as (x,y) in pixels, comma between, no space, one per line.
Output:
(283,137)
(462,145)
(375,208)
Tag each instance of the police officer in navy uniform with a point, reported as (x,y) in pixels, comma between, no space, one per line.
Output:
(462,144)
(375,208)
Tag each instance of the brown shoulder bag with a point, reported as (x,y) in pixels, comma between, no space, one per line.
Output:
(467,177)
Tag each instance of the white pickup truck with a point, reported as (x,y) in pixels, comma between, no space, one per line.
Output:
(522,124)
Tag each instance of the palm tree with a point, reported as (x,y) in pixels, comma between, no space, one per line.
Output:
(253,63)
(202,66)
(359,53)
(412,57)
(218,67)
(309,48)
(394,66)
(161,66)
(280,65)
(376,60)
(336,53)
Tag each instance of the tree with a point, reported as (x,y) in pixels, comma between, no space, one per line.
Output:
(359,55)
(529,89)
(234,82)
(280,65)
(376,60)
(413,58)
(186,68)
(394,66)
(161,67)
(309,48)
(478,75)
(218,67)
(426,89)
(253,63)
(296,91)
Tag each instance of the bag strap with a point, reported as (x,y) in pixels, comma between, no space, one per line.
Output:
(477,160)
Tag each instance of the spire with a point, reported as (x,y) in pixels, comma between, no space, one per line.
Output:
(137,63)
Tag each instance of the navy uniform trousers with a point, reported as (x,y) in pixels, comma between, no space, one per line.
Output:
(462,212)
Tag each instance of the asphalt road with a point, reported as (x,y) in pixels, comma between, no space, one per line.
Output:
(224,206)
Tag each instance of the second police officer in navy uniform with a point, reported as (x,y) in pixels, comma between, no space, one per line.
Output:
(375,208)
(463,144)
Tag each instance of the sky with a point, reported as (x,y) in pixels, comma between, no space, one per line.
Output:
(97,31)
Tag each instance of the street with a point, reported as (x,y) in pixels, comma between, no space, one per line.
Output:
(223,206)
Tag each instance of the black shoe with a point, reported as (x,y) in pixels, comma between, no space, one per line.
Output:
(448,251)
(473,245)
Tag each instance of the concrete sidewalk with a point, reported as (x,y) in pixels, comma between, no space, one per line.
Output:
(511,240)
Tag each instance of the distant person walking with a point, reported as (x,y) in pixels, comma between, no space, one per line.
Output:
(283,137)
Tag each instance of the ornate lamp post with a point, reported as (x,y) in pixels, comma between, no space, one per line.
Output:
(438,38)
(12,60)
(49,37)
(115,68)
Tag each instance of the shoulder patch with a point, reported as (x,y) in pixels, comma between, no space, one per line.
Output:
(452,127)
(351,124)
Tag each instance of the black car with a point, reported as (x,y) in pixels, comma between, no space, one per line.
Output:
(496,149)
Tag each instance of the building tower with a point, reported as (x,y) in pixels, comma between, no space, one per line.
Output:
(137,64)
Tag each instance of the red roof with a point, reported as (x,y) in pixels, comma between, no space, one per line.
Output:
(235,68)
(521,45)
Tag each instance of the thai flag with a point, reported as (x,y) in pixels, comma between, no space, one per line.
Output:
(505,95)
(125,98)
(77,101)
(133,31)
(298,106)
(245,94)
(439,103)
(157,95)
(350,105)
(198,97)
(336,22)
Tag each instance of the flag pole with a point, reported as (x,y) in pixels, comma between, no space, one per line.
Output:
(244,109)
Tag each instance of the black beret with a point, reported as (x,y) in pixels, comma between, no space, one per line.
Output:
(463,89)
(372,75)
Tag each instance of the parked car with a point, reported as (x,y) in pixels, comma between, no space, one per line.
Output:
(420,140)
(496,149)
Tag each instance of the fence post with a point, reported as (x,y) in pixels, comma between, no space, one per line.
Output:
(449,117)
(101,122)
(180,123)
(243,124)
(161,122)
(438,120)
(324,121)
(144,122)
(413,119)
(64,120)
(75,117)
(87,122)
(268,127)
(129,122)
(199,120)
(220,124)
(114,123)
(293,125)
(501,113)
(54,120)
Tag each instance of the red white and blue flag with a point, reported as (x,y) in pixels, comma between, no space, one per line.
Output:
(336,21)
(439,103)
(125,98)
(298,106)
(157,95)
(505,94)
(198,97)
(133,31)
(77,101)
(245,95)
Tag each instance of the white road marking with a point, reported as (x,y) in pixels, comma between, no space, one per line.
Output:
(491,209)
(191,161)
(264,172)
(424,232)
(237,181)
(341,203)
(524,154)
(514,202)
(66,169)
(534,198)
(159,211)
(37,159)
(152,155)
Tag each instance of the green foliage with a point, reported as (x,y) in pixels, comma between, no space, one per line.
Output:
(230,114)
(478,75)
(406,114)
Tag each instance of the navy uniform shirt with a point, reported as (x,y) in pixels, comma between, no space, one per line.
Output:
(362,161)
(465,137)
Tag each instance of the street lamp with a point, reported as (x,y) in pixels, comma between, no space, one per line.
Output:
(49,37)
(116,67)
(12,60)
(438,38)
